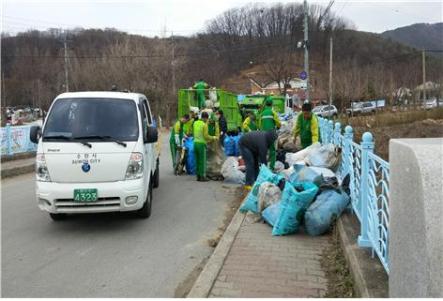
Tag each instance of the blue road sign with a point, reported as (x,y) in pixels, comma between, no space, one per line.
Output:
(303,75)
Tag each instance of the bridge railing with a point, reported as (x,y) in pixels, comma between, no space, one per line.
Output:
(15,139)
(369,186)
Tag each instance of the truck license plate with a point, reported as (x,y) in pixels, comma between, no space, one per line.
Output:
(85,195)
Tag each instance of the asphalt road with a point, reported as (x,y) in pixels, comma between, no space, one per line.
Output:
(109,255)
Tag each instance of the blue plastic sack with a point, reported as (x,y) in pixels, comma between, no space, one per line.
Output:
(319,216)
(229,145)
(271,213)
(237,147)
(305,174)
(265,175)
(190,157)
(293,205)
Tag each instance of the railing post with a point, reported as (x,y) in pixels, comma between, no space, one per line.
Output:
(330,131)
(367,146)
(8,139)
(337,133)
(324,134)
(347,143)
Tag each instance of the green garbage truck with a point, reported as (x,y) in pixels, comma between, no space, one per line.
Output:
(254,103)
(224,100)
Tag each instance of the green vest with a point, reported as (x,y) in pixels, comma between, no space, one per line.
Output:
(200,86)
(252,125)
(305,130)
(180,134)
(187,127)
(267,119)
(211,125)
(199,127)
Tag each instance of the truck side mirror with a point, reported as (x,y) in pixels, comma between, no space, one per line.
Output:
(151,135)
(35,133)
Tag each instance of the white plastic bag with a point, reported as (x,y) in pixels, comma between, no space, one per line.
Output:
(294,158)
(231,173)
(326,156)
(279,166)
(287,172)
(268,194)
(325,172)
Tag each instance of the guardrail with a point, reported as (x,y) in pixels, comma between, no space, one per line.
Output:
(369,186)
(15,140)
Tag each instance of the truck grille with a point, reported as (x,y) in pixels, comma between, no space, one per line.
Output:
(69,205)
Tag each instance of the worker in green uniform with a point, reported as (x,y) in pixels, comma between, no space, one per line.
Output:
(201,138)
(306,126)
(269,121)
(200,86)
(249,124)
(187,127)
(176,137)
(213,127)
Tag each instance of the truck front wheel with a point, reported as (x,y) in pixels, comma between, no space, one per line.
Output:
(156,177)
(145,211)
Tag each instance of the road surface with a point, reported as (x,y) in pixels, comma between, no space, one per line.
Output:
(109,255)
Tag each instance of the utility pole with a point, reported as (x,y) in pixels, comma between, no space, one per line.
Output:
(4,90)
(306,44)
(424,75)
(173,64)
(330,71)
(66,65)
(38,94)
(168,113)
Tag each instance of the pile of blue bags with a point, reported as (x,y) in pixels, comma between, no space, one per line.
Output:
(190,157)
(265,175)
(307,199)
(230,144)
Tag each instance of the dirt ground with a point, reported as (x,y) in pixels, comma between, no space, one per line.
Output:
(340,282)
(428,128)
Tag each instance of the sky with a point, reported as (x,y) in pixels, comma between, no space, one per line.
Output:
(187,17)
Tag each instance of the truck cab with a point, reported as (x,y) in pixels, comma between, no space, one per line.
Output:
(96,153)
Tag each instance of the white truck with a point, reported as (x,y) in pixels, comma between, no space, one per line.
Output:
(96,153)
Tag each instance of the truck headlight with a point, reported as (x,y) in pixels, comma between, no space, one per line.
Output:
(41,170)
(135,167)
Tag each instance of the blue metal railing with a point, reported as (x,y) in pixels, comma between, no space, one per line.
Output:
(15,139)
(369,186)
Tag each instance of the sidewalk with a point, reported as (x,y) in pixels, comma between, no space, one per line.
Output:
(261,265)
(17,167)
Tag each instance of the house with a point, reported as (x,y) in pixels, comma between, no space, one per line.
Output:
(273,88)
(430,90)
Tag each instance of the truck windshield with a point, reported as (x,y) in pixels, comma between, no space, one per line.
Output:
(92,117)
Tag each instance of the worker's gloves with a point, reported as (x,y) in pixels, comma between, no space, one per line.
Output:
(177,140)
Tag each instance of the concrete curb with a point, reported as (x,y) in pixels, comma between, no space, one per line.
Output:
(16,171)
(370,279)
(20,156)
(207,277)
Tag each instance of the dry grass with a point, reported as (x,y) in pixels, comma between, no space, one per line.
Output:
(340,282)
(391,118)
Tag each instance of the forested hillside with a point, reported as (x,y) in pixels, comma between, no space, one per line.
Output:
(420,36)
(365,65)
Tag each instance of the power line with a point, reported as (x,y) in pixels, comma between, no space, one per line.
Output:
(338,13)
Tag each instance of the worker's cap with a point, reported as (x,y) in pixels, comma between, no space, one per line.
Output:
(307,107)
(268,101)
